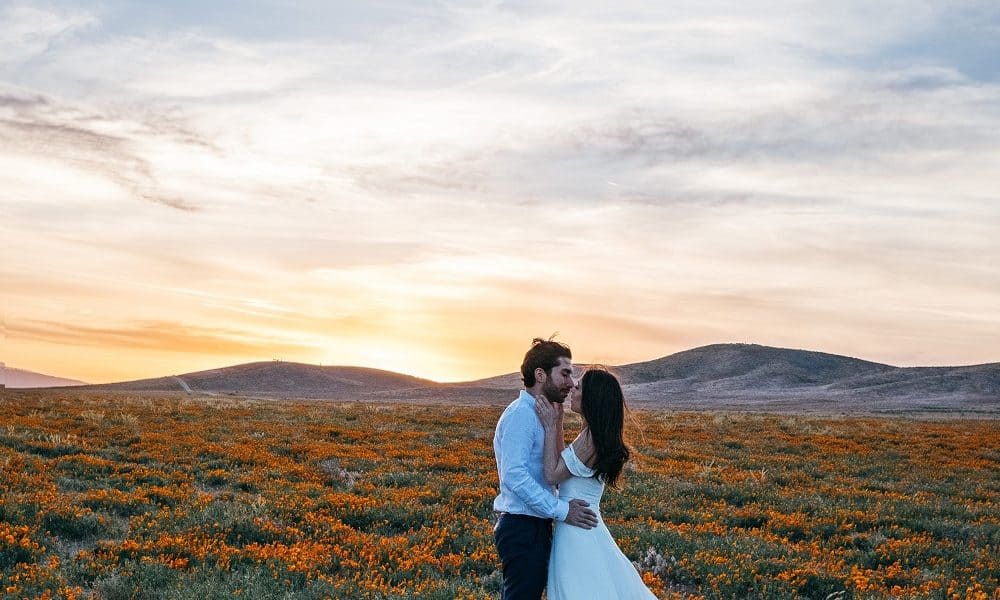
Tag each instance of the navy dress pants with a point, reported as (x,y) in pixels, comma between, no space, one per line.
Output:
(523,544)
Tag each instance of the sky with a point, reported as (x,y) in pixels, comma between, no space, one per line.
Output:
(425,187)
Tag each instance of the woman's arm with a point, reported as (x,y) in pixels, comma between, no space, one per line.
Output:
(553,466)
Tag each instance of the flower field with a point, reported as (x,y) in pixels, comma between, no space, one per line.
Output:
(131,496)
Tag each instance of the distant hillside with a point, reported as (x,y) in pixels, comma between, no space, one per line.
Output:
(736,376)
(278,378)
(743,366)
(736,366)
(761,377)
(720,376)
(20,378)
(975,380)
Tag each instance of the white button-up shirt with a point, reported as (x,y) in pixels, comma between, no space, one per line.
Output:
(518,444)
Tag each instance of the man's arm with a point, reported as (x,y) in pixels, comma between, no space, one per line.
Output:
(515,445)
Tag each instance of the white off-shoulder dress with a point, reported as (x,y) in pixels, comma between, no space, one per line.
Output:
(587,563)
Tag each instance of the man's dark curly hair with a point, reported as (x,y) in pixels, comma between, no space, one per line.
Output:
(543,354)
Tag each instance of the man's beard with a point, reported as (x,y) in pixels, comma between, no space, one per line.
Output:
(553,393)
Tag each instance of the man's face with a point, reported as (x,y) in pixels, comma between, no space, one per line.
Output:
(560,381)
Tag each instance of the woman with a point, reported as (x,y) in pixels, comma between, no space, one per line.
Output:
(588,563)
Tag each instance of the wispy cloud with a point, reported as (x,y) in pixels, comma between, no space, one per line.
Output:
(157,335)
(39,128)
(30,32)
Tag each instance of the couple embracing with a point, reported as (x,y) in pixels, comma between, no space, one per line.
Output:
(542,480)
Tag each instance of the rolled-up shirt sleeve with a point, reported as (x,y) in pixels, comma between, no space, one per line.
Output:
(516,442)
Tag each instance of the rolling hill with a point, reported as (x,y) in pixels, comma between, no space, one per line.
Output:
(20,378)
(724,376)
(751,376)
(278,378)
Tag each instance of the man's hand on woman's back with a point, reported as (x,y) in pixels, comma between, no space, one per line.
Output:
(581,516)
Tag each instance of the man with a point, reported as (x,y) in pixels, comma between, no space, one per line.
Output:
(527,503)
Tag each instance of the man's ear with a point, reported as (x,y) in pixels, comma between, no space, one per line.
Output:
(540,375)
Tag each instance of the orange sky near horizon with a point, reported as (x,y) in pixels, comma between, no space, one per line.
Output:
(425,188)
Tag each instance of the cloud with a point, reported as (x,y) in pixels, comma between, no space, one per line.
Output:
(922,79)
(337,250)
(159,336)
(39,127)
(23,101)
(522,119)
(29,32)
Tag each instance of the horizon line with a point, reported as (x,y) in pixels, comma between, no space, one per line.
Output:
(4,366)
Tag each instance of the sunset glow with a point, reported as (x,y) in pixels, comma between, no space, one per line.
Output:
(426,188)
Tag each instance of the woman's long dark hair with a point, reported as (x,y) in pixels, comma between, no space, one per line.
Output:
(603,407)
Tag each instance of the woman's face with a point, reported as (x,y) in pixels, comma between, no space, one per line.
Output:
(575,396)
